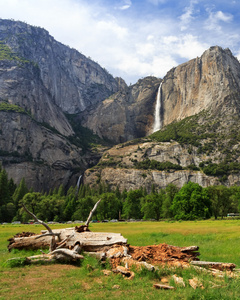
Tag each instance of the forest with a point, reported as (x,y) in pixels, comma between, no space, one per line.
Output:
(191,202)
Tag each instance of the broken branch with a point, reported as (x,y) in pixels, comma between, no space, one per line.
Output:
(91,213)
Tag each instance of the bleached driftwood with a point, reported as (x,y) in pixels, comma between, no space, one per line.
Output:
(68,237)
(214,265)
(91,213)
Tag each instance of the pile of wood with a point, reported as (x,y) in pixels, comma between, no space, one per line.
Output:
(67,244)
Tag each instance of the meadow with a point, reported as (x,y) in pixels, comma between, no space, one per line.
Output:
(218,240)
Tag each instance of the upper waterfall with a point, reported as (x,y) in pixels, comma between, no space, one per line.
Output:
(157,115)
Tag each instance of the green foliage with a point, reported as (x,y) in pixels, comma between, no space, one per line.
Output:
(131,205)
(170,192)
(4,106)
(191,202)
(7,54)
(221,169)
(151,205)
(108,207)
(156,165)
(19,192)
(7,206)
(16,262)
(84,206)
(221,200)
(182,132)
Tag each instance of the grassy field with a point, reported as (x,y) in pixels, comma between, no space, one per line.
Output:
(218,241)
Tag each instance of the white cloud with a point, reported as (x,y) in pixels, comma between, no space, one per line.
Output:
(189,47)
(127,45)
(214,19)
(125,4)
(187,17)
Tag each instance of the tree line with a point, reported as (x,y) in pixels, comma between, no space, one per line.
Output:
(190,202)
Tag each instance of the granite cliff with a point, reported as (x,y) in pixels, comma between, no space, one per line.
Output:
(125,115)
(206,82)
(42,82)
(53,100)
(200,139)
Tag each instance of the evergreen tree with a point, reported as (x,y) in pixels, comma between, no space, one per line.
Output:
(4,191)
(19,192)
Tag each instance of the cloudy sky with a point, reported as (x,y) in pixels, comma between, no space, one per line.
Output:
(134,38)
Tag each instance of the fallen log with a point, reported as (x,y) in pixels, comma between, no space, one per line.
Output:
(66,245)
(214,265)
(57,255)
(163,286)
(68,237)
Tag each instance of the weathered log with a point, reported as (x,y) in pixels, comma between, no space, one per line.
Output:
(56,255)
(29,243)
(163,286)
(89,241)
(214,265)
(190,249)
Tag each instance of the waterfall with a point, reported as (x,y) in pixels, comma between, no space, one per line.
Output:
(157,115)
(78,183)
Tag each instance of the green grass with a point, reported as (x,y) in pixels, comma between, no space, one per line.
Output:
(218,241)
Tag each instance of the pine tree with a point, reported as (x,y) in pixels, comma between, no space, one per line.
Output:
(20,191)
(4,191)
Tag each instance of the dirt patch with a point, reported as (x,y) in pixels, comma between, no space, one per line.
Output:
(159,255)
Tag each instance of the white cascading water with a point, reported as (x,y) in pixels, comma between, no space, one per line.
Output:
(78,182)
(157,115)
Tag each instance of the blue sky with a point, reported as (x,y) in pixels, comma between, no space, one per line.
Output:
(134,38)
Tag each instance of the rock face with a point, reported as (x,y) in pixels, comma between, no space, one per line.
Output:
(202,83)
(136,179)
(127,114)
(211,82)
(118,167)
(43,84)
(73,81)
(44,158)
(22,86)
(40,81)
(207,88)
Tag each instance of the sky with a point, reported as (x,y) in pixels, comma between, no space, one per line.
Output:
(134,38)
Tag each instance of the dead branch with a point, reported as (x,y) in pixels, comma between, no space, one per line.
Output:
(48,234)
(53,241)
(37,220)
(91,213)
(63,242)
